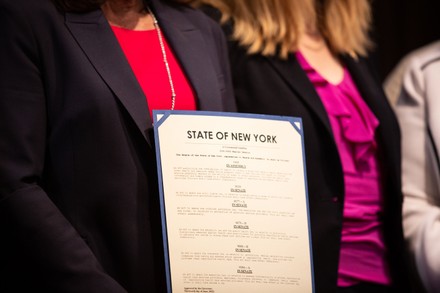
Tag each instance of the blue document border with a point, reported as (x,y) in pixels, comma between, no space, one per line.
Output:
(158,122)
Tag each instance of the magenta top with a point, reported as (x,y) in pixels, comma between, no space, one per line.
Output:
(144,54)
(362,254)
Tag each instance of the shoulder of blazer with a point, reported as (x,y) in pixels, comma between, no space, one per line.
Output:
(32,13)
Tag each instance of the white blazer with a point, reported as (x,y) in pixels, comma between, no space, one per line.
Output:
(414,90)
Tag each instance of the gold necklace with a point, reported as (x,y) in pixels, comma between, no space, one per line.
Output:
(164,56)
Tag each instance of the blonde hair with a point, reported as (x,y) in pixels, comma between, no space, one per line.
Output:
(273,27)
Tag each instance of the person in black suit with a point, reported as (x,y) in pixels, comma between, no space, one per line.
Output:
(78,180)
(308,59)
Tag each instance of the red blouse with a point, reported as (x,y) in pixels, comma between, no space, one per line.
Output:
(143,52)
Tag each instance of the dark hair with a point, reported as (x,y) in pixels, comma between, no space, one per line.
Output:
(89,5)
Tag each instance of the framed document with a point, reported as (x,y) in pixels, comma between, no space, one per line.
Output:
(234,202)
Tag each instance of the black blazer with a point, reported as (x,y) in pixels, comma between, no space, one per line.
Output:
(78,182)
(273,86)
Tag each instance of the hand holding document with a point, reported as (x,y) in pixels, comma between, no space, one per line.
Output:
(234,202)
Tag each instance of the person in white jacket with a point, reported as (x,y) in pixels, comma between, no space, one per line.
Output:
(414,90)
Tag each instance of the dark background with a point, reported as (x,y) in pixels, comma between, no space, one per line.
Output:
(400,26)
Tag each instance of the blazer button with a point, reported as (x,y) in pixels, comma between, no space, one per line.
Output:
(335,199)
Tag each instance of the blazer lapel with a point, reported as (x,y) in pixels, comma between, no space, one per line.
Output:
(295,77)
(189,47)
(94,36)
(377,102)
(366,85)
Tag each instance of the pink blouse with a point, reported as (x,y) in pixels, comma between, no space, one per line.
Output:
(362,254)
(143,52)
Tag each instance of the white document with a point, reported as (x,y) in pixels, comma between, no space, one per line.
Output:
(234,202)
